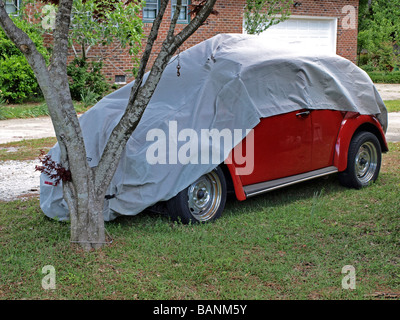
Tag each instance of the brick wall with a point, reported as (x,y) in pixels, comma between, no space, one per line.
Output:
(230,20)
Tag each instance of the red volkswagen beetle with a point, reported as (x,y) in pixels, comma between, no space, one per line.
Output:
(288,149)
(305,115)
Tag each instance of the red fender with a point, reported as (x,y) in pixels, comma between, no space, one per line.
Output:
(350,124)
(237,182)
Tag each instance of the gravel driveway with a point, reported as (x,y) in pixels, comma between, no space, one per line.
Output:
(19,178)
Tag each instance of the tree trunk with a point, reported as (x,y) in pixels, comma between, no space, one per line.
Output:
(87,227)
(86,214)
(85,192)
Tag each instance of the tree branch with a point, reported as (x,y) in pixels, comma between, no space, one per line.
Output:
(174,19)
(196,23)
(147,51)
(134,111)
(35,60)
(58,64)
(21,40)
(55,88)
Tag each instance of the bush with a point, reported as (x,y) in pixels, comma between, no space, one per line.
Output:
(86,77)
(384,77)
(17,80)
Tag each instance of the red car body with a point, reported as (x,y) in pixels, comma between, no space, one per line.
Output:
(299,146)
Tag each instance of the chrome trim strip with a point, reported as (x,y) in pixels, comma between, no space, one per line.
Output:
(262,187)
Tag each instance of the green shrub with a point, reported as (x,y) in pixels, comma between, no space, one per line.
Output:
(89,98)
(86,77)
(17,80)
(384,77)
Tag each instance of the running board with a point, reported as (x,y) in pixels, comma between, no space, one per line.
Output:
(258,188)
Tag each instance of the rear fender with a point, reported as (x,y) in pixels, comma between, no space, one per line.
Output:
(237,182)
(351,124)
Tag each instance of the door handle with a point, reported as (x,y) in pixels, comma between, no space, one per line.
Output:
(303,114)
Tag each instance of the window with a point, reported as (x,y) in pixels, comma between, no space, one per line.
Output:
(120,79)
(12,6)
(150,11)
(184,13)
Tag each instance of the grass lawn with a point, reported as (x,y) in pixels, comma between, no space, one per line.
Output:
(287,244)
(25,149)
(32,110)
(392,105)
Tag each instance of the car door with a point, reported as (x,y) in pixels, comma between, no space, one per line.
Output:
(325,125)
(282,147)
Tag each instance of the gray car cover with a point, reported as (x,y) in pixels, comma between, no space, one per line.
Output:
(227,82)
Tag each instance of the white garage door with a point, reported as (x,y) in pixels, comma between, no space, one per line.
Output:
(319,33)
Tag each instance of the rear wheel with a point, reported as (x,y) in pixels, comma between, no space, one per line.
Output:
(364,161)
(202,201)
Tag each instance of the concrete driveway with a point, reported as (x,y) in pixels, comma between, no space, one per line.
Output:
(23,129)
(388,91)
(393,132)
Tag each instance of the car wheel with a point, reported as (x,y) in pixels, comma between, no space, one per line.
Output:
(364,161)
(202,201)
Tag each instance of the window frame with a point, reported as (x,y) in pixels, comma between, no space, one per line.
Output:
(119,75)
(185,21)
(180,21)
(16,4)
(150,20)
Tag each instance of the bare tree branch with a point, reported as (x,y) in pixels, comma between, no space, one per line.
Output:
(147,51)
(134,111)
(174,19)
(60,53)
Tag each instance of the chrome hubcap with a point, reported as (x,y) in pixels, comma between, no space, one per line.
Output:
(366,162)
(204,196)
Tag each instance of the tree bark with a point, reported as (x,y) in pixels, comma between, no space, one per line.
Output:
(87,222)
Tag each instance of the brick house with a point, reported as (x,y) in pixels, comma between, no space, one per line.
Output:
(328,24)
(331,24)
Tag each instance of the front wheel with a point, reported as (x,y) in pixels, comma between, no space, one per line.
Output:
(364,161)
(202,201)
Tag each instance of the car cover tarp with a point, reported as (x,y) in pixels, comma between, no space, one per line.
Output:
(227,82)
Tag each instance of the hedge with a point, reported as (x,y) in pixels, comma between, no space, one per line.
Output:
(17,80)
(384,77)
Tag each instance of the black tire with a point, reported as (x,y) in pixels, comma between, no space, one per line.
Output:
(363,162)
(202,201)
